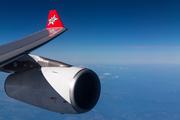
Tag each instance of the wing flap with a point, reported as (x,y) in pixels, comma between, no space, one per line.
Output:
(29,62)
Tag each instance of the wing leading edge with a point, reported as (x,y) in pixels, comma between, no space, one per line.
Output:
(16,49)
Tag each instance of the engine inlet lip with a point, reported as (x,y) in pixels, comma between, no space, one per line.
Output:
(72,89)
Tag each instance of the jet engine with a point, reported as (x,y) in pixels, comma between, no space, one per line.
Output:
(46,83)
(70,90)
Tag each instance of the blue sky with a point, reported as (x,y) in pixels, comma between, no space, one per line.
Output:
(100,31)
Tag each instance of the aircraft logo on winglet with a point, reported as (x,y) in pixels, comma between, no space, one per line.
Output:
(52,20)
(53,31)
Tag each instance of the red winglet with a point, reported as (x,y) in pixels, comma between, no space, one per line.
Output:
(54,24)
(54,20)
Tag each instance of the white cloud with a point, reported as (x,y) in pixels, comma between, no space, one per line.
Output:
(101,77)
(115,77)
(122,68)
(107,74)
(98,66)
(113,67)
(102,81)
(81,66)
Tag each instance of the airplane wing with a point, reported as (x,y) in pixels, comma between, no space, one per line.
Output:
(47,83)
(16,49)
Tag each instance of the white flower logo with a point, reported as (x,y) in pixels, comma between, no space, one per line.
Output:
(52,20)
(53,31)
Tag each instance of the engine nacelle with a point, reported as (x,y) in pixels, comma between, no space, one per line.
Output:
(69,90)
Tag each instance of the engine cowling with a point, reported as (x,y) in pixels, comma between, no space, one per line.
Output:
(69,90)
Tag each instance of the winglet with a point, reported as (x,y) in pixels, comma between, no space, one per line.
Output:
(54,20)
(54,24)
